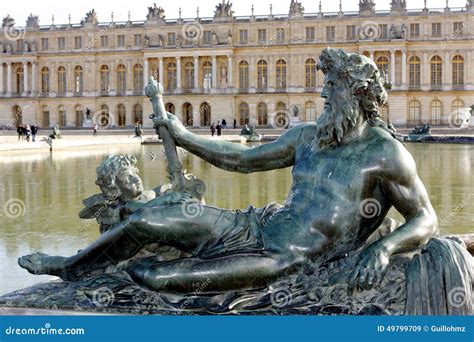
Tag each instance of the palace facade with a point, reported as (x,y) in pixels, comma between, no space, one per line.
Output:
(260,70)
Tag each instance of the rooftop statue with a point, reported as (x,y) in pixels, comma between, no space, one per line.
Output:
(367,7)
(91,18)
(155,13)
(328,247)
(398,6)
(223,10)
(8,21)
(32,22)
(296,9)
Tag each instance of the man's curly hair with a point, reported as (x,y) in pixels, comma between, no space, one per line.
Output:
(108,171)
(363,77)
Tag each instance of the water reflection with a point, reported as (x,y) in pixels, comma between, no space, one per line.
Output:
(52,187)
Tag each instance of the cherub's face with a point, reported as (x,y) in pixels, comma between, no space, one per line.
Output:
(129,183)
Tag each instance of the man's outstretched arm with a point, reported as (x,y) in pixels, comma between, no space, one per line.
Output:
(234,156)
(408,195)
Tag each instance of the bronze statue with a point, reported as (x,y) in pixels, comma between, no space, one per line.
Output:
(348,171)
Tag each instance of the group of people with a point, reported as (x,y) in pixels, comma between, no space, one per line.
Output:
(25,132)
(218,128)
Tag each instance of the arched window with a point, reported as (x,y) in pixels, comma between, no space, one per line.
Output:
(414,113)
(170,108)
(17,116)
(78,80)
(104,78)
(61,80)
(138,114)
(19,85)
(121,115)
(310,70)
(121,78)
(436,112)
(187,114)
(281,118)
(45,122)
(436,72)
(243,75)
(62,118)
(205,110)
(207,75)
(244,114)
(310,111)
(189,76)
(382,65)
(458,104)
(384,113)
(281,74)
(138,78)
(414,71)
(458,71)
(79,115)
(262,114)
(172,78)
(262,74)
(45,81)
(104,118)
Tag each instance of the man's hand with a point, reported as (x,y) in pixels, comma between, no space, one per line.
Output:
(174,125)
(371,268)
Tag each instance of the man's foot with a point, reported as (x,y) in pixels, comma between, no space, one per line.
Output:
(40,263)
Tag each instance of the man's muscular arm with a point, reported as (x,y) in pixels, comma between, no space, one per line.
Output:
(408,195)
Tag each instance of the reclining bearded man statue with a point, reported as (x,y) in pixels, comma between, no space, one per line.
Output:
(347,169)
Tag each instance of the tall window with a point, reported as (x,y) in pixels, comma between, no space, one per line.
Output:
(458,28)
(207,75)
(78,42)
(121,78)
(104,41)
(187,114)
(458,71)
(44,45)
(330,33)
(262,74)
(415,30)
(310,36)
(121,40)
(45,116)
(243,75)
(45,80)
(262,114)
(243,36)
(104,118)
(61,43)
(137,78)
(171,38)
(19,85)
(79,115)
(205,111)
(414,113)
(350,32)
(382,64)
(458,104)
(281,74)
(436,112)
(280,35)
(244,114)
(262,35)
(172,76)
(61,80)
(189,76)
(436,30)
(414,70)
(78,79)
(310,68)
(138,114)
(383,31)
(436,72)
(207,37)
(137,38)
(310,111)
(62,119)
(169,107)
(104,78)
(121,115)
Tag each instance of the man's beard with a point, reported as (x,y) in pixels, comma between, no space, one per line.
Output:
(335,122)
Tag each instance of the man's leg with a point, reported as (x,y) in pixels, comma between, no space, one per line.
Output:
(166,225)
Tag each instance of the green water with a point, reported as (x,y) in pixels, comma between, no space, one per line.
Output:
(49,189)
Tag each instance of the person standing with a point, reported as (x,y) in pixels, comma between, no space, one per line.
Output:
(219,129)
(28,132)
(95,129)
(213,129)
(235,123)
(34,130)
(224,124)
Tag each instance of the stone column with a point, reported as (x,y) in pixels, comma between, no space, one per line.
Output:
(178,74)
(161,72)
(447,72)
(425,72)
(9,79)
(392,67)
(1,79)
(196,75)
(214,72)
(25,78)
(146,74)
(271,74)
(404,69)
(229,71)
(469,71)
(372,55)
(252,75)
(34,75)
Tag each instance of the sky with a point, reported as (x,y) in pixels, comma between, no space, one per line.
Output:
(61,9)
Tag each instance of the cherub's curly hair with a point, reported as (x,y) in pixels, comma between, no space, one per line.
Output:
(362,75)
(108,170)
